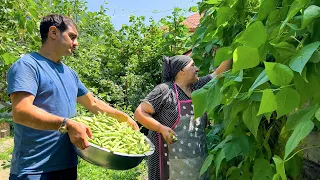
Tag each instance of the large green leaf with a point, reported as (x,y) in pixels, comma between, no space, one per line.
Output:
(245,57)
(214,96)
(237,146)
(254,36)
(261,79)
(223,54)
(315,58)
(262,170)
(206,164)
(250,118)
(302,116)
(212,1)
(303,88)
(265,8)
(299,133)
(199,97)
(287,100)
(224,14)
(268,102)
(280,167)
(298,62)
(279,74)
(284,49)
(8,58)
(233,173)
(218,159)
(309,14)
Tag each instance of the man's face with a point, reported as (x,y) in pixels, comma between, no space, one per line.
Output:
(68,41)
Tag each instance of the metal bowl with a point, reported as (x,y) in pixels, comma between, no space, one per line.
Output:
(112,160)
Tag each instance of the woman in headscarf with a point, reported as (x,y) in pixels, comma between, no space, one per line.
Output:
(168,111)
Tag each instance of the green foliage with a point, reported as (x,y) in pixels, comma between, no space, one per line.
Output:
(269,100)
(120,67)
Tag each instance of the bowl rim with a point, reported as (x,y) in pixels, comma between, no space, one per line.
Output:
(148,153)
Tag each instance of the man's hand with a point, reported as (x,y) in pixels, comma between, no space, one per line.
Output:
(167,134)
(78,133)
(133,124)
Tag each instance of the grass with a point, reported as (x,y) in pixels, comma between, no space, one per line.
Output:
(87,171)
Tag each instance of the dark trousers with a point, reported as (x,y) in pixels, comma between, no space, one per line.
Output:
(65,174)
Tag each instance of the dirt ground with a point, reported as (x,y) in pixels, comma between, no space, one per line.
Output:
(4,173)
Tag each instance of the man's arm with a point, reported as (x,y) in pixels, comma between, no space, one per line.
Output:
(27,114)
(95,106)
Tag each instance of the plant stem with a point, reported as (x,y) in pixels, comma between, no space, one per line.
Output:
(300,151)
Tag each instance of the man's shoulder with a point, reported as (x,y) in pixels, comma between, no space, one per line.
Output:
(24,60)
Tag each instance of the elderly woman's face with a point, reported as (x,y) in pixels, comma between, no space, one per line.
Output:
(191,72)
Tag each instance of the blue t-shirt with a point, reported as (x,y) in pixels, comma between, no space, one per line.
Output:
(56,88)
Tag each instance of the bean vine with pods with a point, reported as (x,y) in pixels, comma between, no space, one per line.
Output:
(268,103)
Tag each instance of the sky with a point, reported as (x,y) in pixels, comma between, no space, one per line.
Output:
(120,10)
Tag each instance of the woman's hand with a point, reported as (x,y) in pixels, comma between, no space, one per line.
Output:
(133,124)
(167,134)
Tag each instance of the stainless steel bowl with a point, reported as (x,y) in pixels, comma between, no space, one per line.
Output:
(112,160)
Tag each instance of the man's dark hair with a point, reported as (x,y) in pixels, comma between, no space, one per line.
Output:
(59,21)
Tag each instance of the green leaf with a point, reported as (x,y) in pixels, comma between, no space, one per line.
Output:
(208,48)
(224,14)
(318,114)
(287,100)
(231,150)
(284,49)
(303,88)
(302,116)
(309,14)
(261,79)
(250,118)
(295,7)
(8,58)
(280,167)
(315,58)
(218,159)
(279,74)
(262,170)
(233,173)
(299,133)
(298,62)
(214,96)
(245,57)
(265,8)
(212,1)
(254,36)
(198,98)
(268,102)
(224,53)
(193,8)
(206,164)
(33,13)
(277,177)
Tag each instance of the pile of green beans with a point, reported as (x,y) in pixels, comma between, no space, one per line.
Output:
(113,135)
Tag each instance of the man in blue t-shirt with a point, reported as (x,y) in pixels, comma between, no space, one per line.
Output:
(44,93)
